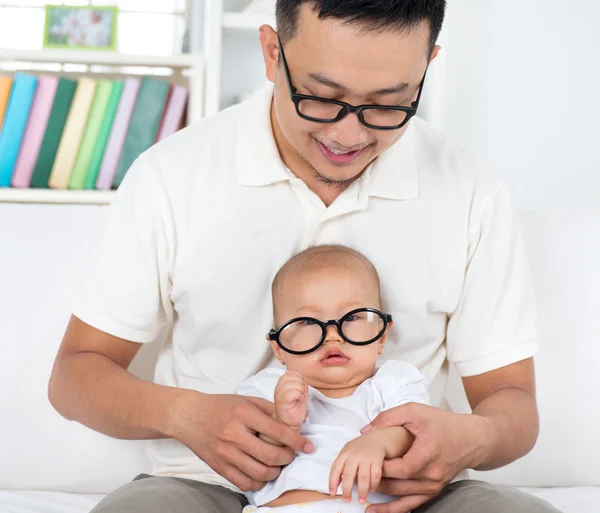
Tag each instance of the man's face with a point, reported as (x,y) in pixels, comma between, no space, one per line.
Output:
(331,60)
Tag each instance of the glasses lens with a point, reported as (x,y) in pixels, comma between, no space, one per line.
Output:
(324,111)
(301,335)
(384,117)
(362,326)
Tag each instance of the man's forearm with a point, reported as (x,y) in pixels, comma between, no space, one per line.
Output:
(510,429)
(93,390)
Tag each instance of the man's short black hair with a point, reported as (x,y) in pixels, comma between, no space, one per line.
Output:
(371,15)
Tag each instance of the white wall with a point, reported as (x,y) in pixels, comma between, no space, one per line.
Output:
(522,91)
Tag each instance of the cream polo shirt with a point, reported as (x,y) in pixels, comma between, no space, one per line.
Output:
(204,219)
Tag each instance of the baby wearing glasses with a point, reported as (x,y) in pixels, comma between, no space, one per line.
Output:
(329,333)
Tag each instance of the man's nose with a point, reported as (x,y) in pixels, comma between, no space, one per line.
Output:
(348,132)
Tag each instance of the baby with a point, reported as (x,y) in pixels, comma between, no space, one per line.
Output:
(329,333)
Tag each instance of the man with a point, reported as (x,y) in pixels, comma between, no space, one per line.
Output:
(332,153)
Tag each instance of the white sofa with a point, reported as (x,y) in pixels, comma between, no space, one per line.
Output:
(48,464)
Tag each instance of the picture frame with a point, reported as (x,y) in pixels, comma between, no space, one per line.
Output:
(81,27)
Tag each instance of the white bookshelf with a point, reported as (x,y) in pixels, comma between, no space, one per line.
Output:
(45,196)
(241,21)
(185,68)
(219,23)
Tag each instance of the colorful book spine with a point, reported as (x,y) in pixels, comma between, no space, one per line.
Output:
(15,121)
(54,130)
(90,136)
(73,132)
(107,122)
(118,133)
(5,87)
(143,127)
(174,113)
(34,133)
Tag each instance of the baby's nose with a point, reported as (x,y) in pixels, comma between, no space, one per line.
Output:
(332,334)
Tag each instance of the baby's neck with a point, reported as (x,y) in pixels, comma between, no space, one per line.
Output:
(338,393)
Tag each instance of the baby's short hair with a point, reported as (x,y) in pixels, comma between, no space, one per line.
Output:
(323,256)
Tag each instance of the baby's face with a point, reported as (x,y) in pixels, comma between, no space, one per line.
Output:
(327,294)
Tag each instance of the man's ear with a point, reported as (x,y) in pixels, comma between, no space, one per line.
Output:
(276,350)
(434,53)
(270,49)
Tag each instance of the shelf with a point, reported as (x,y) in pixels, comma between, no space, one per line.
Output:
(96,57)
(14,195)
(239,20)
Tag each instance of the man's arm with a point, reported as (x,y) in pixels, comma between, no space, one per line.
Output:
(506,399)
(90,384)
(502,427)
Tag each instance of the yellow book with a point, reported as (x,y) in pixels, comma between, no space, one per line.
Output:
(5,87)
(70,141)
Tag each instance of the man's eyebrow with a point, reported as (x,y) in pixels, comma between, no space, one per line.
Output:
(322,79)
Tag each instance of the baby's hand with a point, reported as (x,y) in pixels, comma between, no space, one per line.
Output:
(291,399)
(361,459)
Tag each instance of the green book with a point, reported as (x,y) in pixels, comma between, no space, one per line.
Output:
(54,129)
(90,134)
(103,134)
(144,124)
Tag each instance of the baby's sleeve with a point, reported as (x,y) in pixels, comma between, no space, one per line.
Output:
(262,384)
(399,383)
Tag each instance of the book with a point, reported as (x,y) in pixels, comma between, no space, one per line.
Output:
(72,134)
(174,112)
(105,128)
(118,133)
(143,127)
(34,132)
(5,87)
(90,136)
(15,121)
(54,130)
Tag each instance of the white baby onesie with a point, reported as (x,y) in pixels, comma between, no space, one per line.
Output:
(332,423)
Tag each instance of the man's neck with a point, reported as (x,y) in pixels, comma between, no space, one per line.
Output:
(298,165)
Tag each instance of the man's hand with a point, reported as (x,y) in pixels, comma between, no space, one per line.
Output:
(445,444)
(222,430)
(291,399)
(360,460)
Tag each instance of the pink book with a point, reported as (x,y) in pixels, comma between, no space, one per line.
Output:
(114,147)
(35,130)
(174,112)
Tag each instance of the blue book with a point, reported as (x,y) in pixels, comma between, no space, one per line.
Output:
(15,121)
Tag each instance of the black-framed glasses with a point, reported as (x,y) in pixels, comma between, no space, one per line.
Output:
(304,335)
(325,110)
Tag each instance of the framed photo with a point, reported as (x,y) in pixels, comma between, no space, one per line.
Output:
(89,28)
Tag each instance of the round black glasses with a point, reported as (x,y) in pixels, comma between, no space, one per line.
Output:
(304,335)
(324,110)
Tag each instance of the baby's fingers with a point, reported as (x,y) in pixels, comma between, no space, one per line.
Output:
(348,478)
(364,478)
(335,475)
(375,477)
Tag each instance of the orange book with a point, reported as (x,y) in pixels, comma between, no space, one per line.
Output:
(5,87)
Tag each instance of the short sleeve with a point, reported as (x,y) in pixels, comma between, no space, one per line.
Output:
(398,383)
(495,323)
(262,384)
(124,288)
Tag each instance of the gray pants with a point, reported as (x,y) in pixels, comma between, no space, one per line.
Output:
(148,494)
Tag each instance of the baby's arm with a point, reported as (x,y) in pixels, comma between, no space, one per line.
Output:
(362,459)
(291,402)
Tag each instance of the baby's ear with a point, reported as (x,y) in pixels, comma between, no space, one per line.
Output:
(383,338)
(276,349)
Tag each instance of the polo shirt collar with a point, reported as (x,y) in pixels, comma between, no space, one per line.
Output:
(258,160)
(393,175)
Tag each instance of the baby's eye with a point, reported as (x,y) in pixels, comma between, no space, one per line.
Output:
(351,318)
(308,322)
